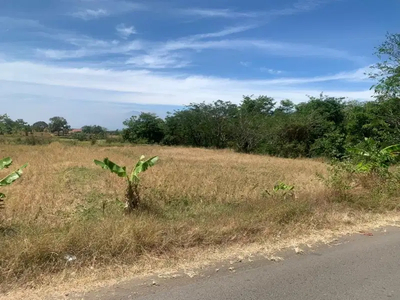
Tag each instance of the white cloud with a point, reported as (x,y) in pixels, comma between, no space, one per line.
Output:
(124,31)
(299,6)
(7,23)
(267,46)
(89,10)
(155,61)
(271,71)
(92,48)
(221,33)
(89,14)
(164,88)
(245,63)
(218,13)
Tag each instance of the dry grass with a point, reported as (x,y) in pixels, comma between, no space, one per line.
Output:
(194,199)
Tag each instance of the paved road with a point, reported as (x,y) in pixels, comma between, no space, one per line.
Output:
(362,267)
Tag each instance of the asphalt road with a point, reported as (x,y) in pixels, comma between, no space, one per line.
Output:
(359,267)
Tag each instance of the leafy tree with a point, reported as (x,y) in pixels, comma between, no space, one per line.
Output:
(94,129)
(262,105)
(286,107)
(40,126)
(387,72)
(252,122)
(6,124)
(202,125)
(147,128)
(20,125)
(59,124)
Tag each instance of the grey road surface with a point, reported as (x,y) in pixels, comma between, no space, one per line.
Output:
(360,267)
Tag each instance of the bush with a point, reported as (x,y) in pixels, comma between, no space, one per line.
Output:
(110,139)
(38,140)
(80,136)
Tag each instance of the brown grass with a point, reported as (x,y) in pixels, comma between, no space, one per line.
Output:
(193,199)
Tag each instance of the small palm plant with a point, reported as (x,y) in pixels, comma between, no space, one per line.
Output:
(9,179)
(132,197)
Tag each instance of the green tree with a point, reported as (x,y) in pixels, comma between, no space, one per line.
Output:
(20,125)
(262,105)
(6,124)
(40,126)
(387,71)
(146,127)
(94,129)
(202,125)
(252,122)
(286,107)
(59,124)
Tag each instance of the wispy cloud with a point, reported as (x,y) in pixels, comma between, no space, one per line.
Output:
(271,71)
(167,54)
(299,6)
(89,10)
(89,14)
(154,61)
(245,63)
(7,23)
(268,47)
(218,13)
(125,31)
(164,88)
(92,48)
(224,32)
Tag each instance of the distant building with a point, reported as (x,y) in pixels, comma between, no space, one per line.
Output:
(75,130)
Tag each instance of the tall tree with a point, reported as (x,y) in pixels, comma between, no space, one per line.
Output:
(6,124)
(40,126)
(59,124)
(387,71)
(21,126)
(94,129)
(146,127)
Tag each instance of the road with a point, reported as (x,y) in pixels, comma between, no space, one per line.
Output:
(360,267)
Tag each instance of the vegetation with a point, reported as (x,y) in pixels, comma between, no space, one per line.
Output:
(198,199)
(147,128)
(40,126)
(10,178)
(132,196)
(59,125)
(387,71)
(370,158)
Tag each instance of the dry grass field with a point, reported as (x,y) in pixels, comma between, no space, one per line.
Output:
(193,199)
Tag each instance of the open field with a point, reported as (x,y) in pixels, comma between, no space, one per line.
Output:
(193,200)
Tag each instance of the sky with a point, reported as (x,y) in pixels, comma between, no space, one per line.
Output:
(101,61)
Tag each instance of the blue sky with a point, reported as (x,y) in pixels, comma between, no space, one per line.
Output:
(100,61)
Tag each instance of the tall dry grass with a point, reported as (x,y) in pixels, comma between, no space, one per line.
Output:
(193,198)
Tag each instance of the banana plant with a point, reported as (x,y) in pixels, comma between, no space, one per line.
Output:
(132,197)
(9,179)
(371,158)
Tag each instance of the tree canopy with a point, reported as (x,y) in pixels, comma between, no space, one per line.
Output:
(59,125)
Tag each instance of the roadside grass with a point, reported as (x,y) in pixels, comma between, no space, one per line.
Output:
(193,199)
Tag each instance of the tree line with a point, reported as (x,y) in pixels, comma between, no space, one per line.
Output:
(56,125)
(321,126)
